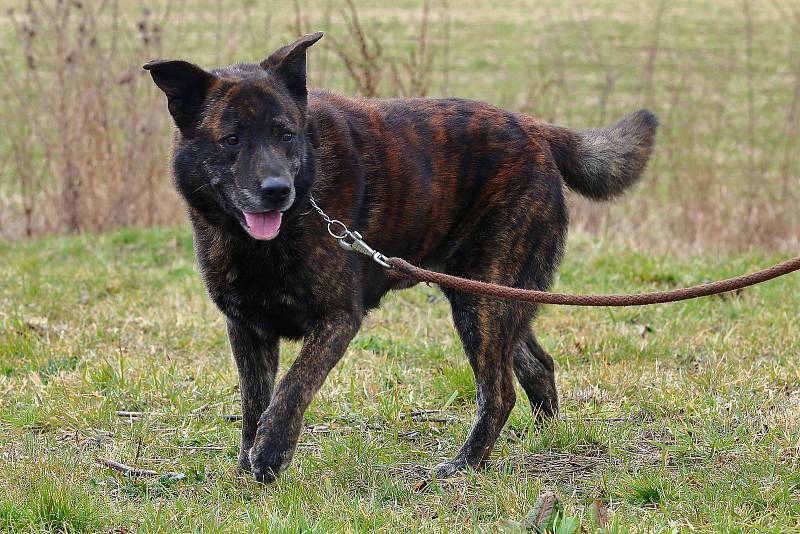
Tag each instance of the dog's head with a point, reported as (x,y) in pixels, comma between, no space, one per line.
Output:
(242,151)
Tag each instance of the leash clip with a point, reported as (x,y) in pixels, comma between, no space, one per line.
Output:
(358,245)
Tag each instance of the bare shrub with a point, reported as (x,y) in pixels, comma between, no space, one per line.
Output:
(90,154)
(84,146)
(362,56)
(366,63)
(724,173)
(412,75)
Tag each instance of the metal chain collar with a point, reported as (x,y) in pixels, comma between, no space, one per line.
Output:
(339,231)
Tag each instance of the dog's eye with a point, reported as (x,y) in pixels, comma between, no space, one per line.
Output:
(287,136)
(230,140)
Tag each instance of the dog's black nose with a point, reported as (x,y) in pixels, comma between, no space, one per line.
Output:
(275,188)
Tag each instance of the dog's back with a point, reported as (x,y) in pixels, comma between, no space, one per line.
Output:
(421,177)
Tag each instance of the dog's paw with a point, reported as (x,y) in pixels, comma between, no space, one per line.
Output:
(244,460)
(449,469)
(268,461)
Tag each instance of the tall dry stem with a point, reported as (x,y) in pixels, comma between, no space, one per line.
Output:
(89,156)
(363,56)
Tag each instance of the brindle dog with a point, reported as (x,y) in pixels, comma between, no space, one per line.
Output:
(458,185)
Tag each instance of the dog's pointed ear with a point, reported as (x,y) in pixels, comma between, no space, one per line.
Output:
(186,86)
(289,63)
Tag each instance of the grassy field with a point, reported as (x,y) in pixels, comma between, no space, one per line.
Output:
(678,417)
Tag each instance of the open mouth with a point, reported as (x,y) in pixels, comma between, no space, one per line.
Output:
(264,225)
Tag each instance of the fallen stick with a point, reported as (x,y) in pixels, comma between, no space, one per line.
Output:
(433,416)
(133,415)
(202,448)
(124,413)
(135,472)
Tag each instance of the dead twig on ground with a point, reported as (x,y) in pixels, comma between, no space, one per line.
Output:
(135,472)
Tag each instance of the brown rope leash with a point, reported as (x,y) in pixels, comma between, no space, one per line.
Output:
(400,268)
(404,269)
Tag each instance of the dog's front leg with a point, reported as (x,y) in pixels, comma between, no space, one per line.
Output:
(256,356)
(280,426)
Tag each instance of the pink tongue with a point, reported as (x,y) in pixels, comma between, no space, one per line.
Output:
(263,225)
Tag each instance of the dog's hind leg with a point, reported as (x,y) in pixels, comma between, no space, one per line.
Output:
(487,330)
(535,372)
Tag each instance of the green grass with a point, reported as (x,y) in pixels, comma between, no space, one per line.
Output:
(680,416)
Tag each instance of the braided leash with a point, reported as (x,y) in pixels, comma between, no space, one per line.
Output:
(638,299)
(400,268)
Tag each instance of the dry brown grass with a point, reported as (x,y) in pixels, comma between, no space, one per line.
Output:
(91,152)
(88,149)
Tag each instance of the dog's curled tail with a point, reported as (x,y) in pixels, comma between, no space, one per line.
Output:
(603,162)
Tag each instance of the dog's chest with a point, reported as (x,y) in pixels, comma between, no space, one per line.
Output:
(264,291)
